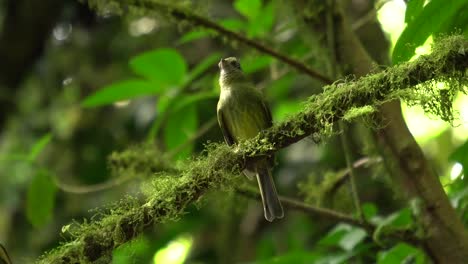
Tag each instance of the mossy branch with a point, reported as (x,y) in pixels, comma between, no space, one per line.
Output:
(170,193)
(167,197)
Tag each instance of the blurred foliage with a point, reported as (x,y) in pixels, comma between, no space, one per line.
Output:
(435,18)
(105,83)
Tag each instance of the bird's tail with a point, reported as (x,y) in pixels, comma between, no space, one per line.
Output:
(271,204)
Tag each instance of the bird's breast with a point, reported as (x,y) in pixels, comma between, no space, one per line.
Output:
(244,116)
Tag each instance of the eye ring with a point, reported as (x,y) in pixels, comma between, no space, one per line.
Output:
(236,64)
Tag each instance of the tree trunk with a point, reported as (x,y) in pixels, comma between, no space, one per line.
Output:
(446,239)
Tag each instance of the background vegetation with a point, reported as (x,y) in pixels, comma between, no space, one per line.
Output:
(107,111)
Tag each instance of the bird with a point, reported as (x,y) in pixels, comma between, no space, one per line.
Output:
(242,113)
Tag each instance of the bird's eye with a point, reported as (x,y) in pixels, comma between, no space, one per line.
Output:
(235,64)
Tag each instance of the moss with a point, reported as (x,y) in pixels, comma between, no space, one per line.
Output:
(417,83)
(167,196)
(358,112)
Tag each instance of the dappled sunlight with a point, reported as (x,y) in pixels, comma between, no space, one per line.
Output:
(392,18)
(456,171)
(460,131)
(423,49)
(425,128)
(142,26)
(62,31)
(175,252)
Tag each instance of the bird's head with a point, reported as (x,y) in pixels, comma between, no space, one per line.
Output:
(230,70)
(230,64)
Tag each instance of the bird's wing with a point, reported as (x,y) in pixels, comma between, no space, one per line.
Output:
(269,119)
(224,128)
(267,113)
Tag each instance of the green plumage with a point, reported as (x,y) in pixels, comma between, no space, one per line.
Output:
(244,107)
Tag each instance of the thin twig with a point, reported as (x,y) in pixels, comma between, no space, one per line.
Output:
(344,174)
(335,71)
(298,205)
(369,15)
(86,189)
(328,213)
(181,14)
(349,164)
(336,216)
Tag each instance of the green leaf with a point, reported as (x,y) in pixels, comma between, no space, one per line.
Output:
(163,66)
(281,87)
(123,90)
(135,251)
(400,219)
(180,126)
(369,210)
(401,253)
(267,18)
(261,25)
(161,106)
(248,8)
(40,200)
(335,258)
(193,35)
(458,23)
(205,64)
(460,155)
(429,21)
(457,197)
(39,146)
(164,103)
(256,63)
(413,8)
(233,24)
(186,100)
(352,238)
(334,236)
(344,236)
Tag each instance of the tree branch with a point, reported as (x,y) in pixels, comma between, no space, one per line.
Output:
(332,215)
(186,15)
(310,209)
(446,238)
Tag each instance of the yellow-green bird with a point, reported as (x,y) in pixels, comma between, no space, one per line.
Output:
(242,114)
